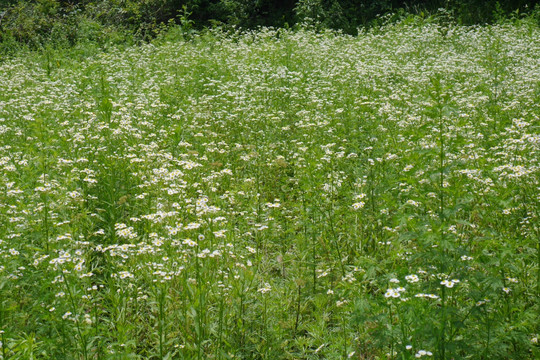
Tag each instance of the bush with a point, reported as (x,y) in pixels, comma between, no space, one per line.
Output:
(37,24)
(34,23)
(348,15)
(30,23)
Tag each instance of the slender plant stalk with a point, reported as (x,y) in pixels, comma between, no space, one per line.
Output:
(77,321)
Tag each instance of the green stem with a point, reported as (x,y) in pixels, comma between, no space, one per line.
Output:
(297,312)
(443,326)
(335,243)
(161,314)
(200,310)
(77,323)
(486,351)
(220,331)
(344,330)
(391,331)
(2,327)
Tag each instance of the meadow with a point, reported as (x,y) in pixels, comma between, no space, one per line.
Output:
(274,194)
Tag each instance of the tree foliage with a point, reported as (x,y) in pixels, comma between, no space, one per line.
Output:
(35,22)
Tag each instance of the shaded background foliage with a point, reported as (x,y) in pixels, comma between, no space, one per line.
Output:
(38,22)
(348,15)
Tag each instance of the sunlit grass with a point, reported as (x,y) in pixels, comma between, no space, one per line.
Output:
(274,195)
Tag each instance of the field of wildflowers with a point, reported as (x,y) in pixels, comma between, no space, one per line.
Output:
(274,195)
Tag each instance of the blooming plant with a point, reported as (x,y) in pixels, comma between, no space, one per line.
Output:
(274,194)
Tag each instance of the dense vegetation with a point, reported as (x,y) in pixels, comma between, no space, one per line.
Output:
(39,23)
(273,194)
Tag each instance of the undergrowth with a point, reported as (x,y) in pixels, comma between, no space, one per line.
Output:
(273,194)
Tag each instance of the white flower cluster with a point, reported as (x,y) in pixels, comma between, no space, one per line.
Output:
(394,293)
(449,283)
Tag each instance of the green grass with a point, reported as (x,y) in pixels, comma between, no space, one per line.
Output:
(274,195)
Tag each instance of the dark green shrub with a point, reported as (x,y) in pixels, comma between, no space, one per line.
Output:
(33,23)
(249,13)
(30,22)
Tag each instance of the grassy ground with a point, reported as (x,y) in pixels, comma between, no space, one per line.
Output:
(274,195)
